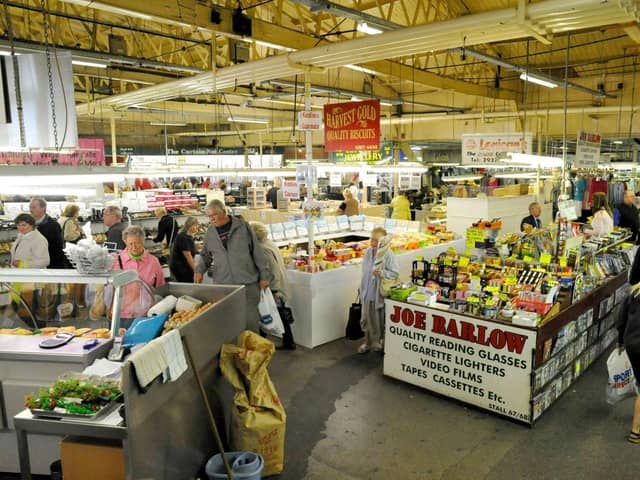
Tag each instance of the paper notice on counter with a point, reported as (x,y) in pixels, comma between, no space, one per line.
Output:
(104,368)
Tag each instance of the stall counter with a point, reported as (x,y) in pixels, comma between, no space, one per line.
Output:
(321,301)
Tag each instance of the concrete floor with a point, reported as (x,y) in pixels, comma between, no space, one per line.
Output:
(346,421)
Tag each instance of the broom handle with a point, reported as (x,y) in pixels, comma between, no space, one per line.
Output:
(212,421)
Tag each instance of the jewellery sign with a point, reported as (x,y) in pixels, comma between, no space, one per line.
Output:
(352,126)
(483,363)
(491,148)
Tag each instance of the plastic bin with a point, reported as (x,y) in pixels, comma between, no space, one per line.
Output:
(244,465)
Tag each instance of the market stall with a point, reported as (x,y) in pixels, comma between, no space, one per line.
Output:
(507,335)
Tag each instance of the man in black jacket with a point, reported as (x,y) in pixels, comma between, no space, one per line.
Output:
(167,227)
(629,214)
(533,220)
(112,218)
(51,230)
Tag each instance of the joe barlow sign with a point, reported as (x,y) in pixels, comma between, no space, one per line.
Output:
(352,126)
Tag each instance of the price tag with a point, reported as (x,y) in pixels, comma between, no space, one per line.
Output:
(563,262)
(447,262)
(473,300)
(545,259)
(490,302)
(463,261)
(504,297)
(510,281)
(527,259)
(492,289)
(419,258)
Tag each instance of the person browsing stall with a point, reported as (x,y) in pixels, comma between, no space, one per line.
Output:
(350,206)
(373,270)
(629,215)
(71,230)
(183,253)
(628,325)
(50,230)
(167,227)
(533,220)
(30,249)
(135,257)
(602,221)
(401,207)
(279,285)
(231,255)
(112,218)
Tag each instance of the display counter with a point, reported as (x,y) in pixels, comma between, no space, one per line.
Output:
(320,301)
(511,370)
(463,212)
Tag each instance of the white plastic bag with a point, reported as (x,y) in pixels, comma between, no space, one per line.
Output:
(621,383)
(270,320)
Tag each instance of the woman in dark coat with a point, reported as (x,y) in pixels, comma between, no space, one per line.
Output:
(629,340)
(183,252)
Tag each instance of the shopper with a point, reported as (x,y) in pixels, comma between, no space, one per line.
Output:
(602,221)
(50,229)
(350,206)
(71,230)
(375,268)
(30,249)
(112,218)
(532,221)
(629,215)
(136,298)
(183,252)
(272,196)
(279,285)
(232,256)
(167,227)
(629,340)
(401,208)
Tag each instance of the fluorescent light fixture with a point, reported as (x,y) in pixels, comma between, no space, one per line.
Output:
(363,27)
(529,77)
(516,175)
(57,180)
(617,142)
(247,120)
(461,178)
(58,191)
(533,160)
(168,124)
(355,99)
(416,148)
(275,46)
(444,164)
(86,63)
(386,104)
(5,53)
(358,68)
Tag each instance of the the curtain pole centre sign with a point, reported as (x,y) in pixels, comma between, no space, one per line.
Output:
(352,126)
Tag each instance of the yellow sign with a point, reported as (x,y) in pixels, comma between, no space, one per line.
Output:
(545,259)
(463,262)
(563,262)
(527,259)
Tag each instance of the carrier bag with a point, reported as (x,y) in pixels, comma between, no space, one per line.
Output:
(258,420)
(621,382)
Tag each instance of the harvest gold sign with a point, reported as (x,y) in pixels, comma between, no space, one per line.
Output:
(352,126)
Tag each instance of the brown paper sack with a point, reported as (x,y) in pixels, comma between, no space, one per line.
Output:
(258,419)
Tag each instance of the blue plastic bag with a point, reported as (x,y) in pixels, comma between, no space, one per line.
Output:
(143,330)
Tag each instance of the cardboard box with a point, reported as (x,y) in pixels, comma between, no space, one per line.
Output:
(92,458)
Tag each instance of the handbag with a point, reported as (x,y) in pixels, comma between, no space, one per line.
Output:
(386,284)
(354,330)
(286,315)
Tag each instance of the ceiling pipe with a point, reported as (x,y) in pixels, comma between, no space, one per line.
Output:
(530,71)
(340,11)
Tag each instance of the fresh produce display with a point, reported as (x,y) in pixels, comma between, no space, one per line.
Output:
(74,396)
(179,319)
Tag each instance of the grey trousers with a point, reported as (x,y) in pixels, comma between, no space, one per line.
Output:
(372,322)
(251,312)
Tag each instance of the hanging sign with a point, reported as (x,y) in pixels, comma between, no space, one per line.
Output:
(491,148)
(352,126)
(309,121)
(335,180)
(479,362)
(291,189)
(307,175)
(588,150)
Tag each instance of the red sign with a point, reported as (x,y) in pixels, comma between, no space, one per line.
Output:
(352,126)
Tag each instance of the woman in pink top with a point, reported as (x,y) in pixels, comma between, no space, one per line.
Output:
(134,257)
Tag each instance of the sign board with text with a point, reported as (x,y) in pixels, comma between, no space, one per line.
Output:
(309,121)
(480,362)
(491,148)
(588,150)
(291,189)
(352,126)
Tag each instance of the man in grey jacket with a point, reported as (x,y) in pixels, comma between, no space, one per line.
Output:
(232,255)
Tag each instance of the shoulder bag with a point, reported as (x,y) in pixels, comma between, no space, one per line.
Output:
(354,330)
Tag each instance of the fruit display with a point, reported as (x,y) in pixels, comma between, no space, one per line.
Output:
(179,319)
(74,396)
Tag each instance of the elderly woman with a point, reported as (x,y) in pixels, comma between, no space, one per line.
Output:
(280,284)
(350,206)
(135,257)
(183,252)
(71,230)
(378,263)
(602,221)
(31,249)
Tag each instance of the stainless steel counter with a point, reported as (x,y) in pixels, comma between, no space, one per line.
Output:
(25,348)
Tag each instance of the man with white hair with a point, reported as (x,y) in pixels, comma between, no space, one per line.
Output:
(232,255)
(50,229)
(112,218)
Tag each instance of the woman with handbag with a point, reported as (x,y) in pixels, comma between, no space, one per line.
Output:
(279,286)
(629,340)
(378,267)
